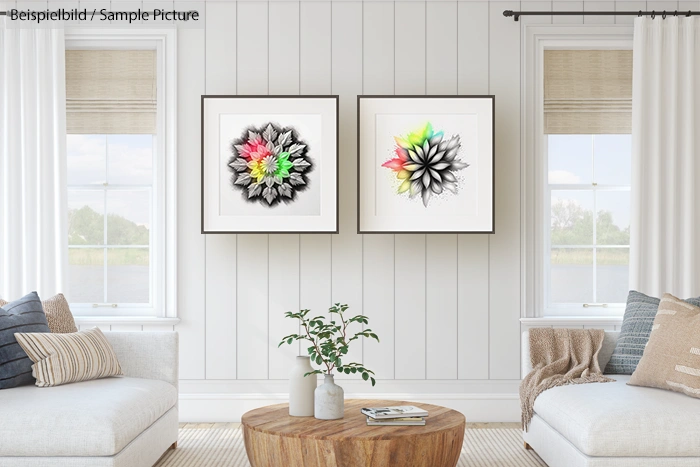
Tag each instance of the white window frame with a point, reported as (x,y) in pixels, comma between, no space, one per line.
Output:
(163,247)
(534,175)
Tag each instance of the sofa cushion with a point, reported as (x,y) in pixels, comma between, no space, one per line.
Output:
(22,315)
(617,420)
(57,312)
(91,418)
(634,334)
(69,357)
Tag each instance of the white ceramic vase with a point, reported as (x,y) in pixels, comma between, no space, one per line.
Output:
(301,389)
(329,400)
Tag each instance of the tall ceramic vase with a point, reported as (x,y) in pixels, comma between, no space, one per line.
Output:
(329,400)
(301,389)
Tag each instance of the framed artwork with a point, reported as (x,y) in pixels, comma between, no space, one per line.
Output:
(425,164)
(269,164)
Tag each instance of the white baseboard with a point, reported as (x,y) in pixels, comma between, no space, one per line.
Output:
(228,407)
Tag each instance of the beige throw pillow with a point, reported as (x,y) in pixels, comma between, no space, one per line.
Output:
(68,358)
(57,312)
(671,358)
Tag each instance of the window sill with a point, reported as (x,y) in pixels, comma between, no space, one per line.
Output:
(137,320)
(572,321)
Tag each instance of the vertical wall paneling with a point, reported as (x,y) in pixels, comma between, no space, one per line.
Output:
(283,296)
(315,78)
(190,248)
(598,6)
(252,47)
(628,6)
(441,250)
(284,249)
(441,47)
(567,6)
(253,250)
(221,277)
(409,48)
(504,273)
(409,260)
(378,250)
(473,250)
(346,267)
(441,299)
(283,68)
(253,301)
(315,50)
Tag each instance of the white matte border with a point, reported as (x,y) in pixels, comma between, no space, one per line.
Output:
(369,107)
(213,107)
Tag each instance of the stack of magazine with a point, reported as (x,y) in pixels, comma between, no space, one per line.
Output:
(403,415)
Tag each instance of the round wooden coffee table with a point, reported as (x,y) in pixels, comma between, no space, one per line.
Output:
(273,438)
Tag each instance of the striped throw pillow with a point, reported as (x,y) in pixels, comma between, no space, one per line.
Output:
(58,313)
(69,358)
(23,315)
(634,335)
(671,359)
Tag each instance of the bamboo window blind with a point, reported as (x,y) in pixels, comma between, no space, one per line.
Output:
(588,91)
(111,91)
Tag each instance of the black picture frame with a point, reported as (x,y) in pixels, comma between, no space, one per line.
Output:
(362,97)
(335,97)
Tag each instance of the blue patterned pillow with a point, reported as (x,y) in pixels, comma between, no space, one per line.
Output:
(23,315)
(634,335)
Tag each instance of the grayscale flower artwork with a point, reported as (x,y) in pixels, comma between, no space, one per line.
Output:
(426,163)
(270,164)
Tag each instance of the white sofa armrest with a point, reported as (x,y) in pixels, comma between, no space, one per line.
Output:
(149,355)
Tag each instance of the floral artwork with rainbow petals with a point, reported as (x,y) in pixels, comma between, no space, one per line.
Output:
(270,164)
(425,162)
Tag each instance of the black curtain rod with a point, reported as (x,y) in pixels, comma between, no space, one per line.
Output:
(517,14)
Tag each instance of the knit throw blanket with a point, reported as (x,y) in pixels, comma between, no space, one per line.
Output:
(560,357)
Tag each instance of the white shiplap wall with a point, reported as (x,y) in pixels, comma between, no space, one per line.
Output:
(447,307)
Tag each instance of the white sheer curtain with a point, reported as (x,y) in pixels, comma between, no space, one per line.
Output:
(665,229)
(33,233)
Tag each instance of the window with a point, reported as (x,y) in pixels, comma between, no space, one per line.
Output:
(120,173)
(110,219)
(588,194)
(586,153)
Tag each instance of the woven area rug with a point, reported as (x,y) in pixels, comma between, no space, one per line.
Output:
(219,447)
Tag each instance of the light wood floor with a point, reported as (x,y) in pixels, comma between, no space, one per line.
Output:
(205,426)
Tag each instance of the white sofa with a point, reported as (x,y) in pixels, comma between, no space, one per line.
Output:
(125,421)
(613,424)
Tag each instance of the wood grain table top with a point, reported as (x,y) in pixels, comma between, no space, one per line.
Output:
(275,419)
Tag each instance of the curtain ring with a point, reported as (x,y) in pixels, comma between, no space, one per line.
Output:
(653,14)
(663,16)
(688,15)
(675,13)
(640,14)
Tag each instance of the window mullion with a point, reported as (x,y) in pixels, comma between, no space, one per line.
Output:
(595,223)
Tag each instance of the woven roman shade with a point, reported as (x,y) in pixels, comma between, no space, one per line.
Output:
(111,91)
(588,91)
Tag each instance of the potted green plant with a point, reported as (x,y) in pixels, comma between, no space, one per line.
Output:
(330,341)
